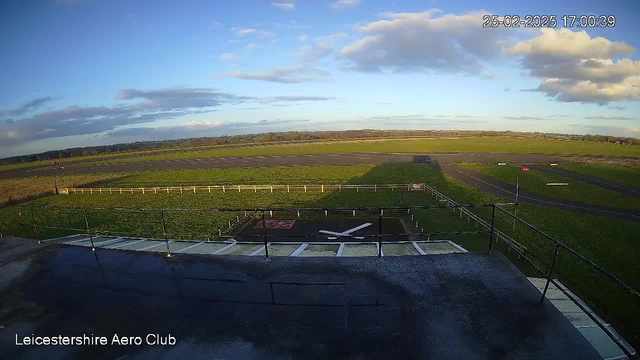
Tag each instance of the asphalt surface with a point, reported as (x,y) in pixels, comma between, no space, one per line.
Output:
(444,161)
(508,191)
(466,306)
(280,160)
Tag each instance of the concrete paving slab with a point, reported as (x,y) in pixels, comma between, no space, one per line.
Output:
(242,249)
(606,347)
(140,245)
(206,248)
(328,250)
(438,248)
(356,250)
(399,249)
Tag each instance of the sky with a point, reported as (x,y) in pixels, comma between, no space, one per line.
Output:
(80,73)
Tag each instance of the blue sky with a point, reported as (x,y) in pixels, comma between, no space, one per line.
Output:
(92,72)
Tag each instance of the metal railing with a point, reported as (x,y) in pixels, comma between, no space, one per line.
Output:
(240,188)
(489,227)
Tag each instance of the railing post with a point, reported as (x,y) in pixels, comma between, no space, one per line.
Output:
(164,232)
(86,222)
(493,221)
(379,233)
(553,265)
(264,236)
(35,225)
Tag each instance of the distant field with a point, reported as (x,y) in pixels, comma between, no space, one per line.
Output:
(535,181)
(471,144)
(628,174)
(610,243)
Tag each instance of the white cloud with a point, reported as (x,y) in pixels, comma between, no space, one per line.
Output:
(421,42)
(344,4)
(303,37)
(229,57)
(284,75)
(322,46)
(564,42)
(242,31)
(251,47)
(214,25)
(575,67)
(284,5)
(611,117)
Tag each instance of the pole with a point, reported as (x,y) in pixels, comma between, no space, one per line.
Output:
(35,225)
(493,221)
(553,264)
(164,231)
(264,235)
(86,222)
(55,182)
(515,209)
(379,233)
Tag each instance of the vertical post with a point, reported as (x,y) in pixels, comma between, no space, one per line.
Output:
(55,182)
(375,188)
(305,188)
(340,187)
(379,233)
(194,189)
(515,208)
(322,188)
(86,223)
(288,188)
(264,236)
(164,232)
(493,221)
(271,188)
(553,265)
(223,190)
(35,225)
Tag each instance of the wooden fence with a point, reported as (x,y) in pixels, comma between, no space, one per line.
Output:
(241,188)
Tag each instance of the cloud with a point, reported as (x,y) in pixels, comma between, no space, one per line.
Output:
(138,107)
(524,118)
(273,99)
(199,129)
(242,31)
(617,107)
(507,90)
(284,75)
(321,47)
(567,43)
(229,57)
(573,67)
(611,117)
(421,42)
(30,106)
(284,5)
(214,25)
(344,4)
(303,37)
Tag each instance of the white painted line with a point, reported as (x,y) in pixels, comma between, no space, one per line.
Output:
(457,246)
(189,247)
(127,243)
(299,250)
(340,249)
(155,245)
(76,241)
(418,248)
(222,249)
(68,237)
(258,251)
(107,242)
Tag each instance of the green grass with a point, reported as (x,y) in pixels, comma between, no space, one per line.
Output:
(478,144)
(627,174)
(536,180)
(610,243)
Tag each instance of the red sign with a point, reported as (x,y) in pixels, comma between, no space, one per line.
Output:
(524,169)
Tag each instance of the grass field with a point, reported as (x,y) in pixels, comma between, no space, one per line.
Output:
(536,180)
(610,243)
(627,174)
(22,188)
(473,144)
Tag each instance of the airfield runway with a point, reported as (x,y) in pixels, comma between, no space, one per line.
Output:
(443,161)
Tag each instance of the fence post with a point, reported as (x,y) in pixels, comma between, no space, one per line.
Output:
(264,236)
(305,188)
(164,232)
(287,188)
(553,265)
(86,222)
(35,225)
(493,221)
(379,233)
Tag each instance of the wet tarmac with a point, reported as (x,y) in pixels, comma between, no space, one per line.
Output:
(472,306)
